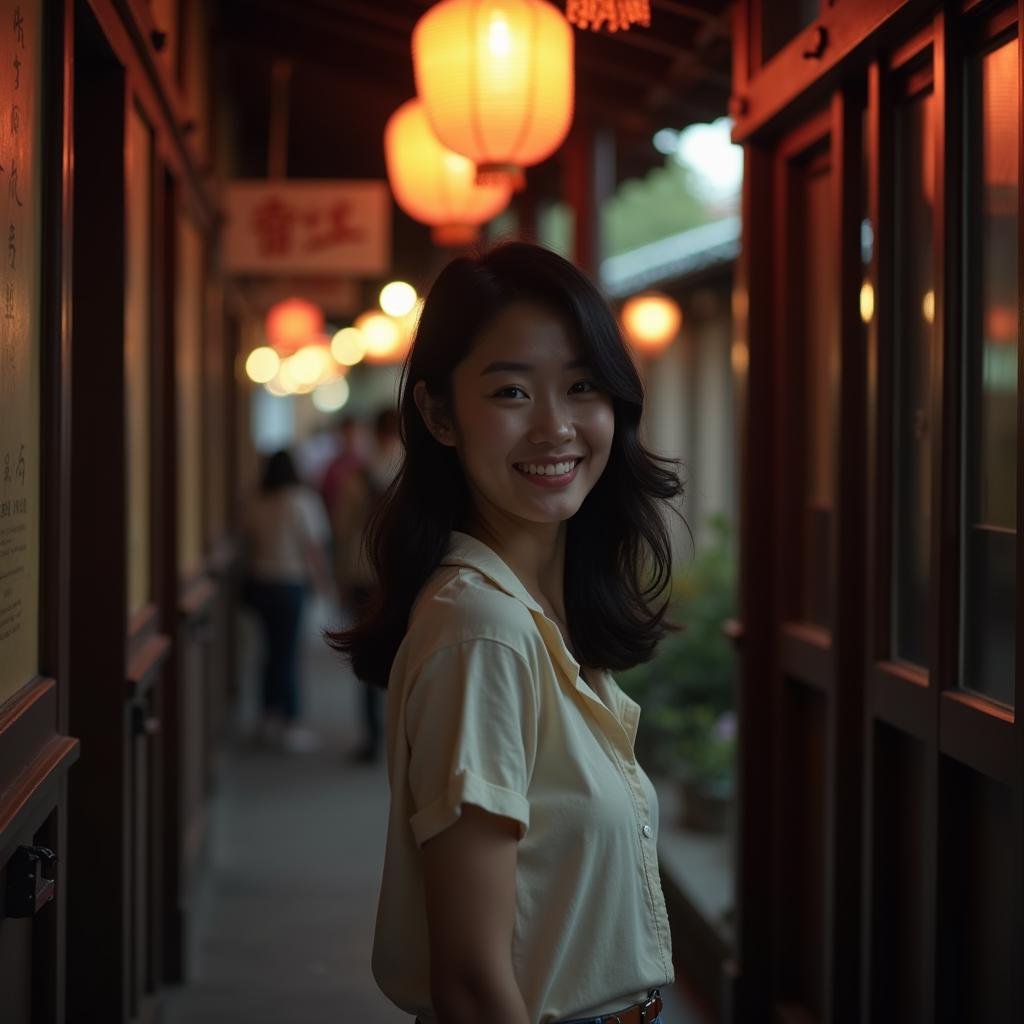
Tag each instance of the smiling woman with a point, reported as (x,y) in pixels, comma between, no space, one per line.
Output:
(520,554)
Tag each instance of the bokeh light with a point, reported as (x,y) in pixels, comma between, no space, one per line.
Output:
(397,298)
(651,321)
(330,397)
(348,346)
(262,364)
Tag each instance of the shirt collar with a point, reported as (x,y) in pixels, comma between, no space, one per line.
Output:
(468,551)
(464,549)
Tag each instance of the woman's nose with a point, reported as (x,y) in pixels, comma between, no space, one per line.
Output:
(552,423)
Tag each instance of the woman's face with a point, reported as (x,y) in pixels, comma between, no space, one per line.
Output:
(532,429)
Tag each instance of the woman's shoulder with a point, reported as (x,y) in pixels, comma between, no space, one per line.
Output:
(459,604)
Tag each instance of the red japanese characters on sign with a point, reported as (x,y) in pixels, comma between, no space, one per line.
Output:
(308,227)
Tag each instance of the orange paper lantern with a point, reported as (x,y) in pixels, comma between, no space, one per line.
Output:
(435,185)
(293,323)
(651,321)
(496,80)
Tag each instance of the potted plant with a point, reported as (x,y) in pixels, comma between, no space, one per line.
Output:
(686,691)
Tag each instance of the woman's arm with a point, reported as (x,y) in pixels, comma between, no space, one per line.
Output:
(470,878)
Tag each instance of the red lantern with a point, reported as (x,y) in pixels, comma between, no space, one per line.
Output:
(496,79)
(293,323)
(435,185)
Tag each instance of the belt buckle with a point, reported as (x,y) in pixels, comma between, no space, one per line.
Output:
(648,1004)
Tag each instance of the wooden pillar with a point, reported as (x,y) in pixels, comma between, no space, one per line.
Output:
(589,179)
(525,202)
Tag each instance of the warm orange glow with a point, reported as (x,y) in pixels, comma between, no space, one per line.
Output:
(1000,115)
(348,346)
(293,323)
(867,301)
(311,365)
(262,364)
(435,185)
(1001,324)
(496,79)
(616,14)
(397,298)
(928,306)
(651,321)
(385,339)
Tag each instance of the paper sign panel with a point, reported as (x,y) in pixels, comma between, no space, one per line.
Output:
(19,344)
(307,227)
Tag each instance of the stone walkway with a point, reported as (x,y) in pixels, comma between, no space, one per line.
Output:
(284,916)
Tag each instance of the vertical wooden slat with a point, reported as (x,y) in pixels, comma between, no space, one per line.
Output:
(99,865)
(943,611)
(1017,895)
(753,365)
(845,722)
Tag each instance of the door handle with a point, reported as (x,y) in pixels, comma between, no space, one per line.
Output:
(31,880)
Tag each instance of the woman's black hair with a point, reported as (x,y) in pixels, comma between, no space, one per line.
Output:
(618,550)
(278,471)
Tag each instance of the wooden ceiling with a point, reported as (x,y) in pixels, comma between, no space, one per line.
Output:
(352,67)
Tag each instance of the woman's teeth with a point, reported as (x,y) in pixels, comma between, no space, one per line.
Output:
(558,469)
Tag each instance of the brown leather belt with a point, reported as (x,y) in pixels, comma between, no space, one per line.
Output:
(638,1013)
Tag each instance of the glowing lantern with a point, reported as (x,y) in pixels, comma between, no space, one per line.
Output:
(1001,324)
(348,346)
(651,320)
(262,364)
(867,301)
(383,336)
(496,80)
(619,14)
(397,298)
(310,365)
(435,185)
(293,323)
(331,396)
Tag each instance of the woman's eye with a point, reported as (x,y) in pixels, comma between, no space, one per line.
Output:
(504,392)
(587,385)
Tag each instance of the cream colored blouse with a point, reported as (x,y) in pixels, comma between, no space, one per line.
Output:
(487,706)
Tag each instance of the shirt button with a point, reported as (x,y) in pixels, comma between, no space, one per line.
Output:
(647,831)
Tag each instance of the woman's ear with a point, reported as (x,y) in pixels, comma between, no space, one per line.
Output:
(434,415)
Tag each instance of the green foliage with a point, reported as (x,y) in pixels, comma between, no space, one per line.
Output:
(686,691)
(663,203)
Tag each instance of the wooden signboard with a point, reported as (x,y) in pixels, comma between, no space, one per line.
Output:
(307,227)
(19,344)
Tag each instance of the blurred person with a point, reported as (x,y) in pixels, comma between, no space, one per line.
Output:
(285,531)
(520,557)
(355,444)
(364,488)
(315,452)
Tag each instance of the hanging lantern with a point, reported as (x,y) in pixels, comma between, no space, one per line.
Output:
(293,323)
(435,185)
(496,80)
(617,14)
(651,321)
(385,337)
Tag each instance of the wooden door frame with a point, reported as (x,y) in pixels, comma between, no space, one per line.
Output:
(36,754)
(960,728)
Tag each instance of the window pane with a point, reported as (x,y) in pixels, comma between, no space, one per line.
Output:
(989,543)
(820,300)
(781,22)
(913,338)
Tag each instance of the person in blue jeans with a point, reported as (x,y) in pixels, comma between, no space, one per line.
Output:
(285,532)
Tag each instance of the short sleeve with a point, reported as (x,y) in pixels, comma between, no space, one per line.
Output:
(471,723)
